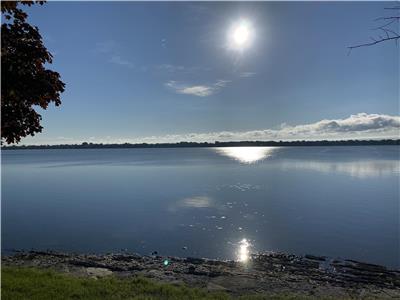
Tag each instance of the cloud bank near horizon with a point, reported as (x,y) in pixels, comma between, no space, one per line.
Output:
(358,126)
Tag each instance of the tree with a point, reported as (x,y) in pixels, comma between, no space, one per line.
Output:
(25,81)
(388,30)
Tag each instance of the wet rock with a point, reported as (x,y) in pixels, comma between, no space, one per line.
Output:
(313,257)
(121,257)
(193,260)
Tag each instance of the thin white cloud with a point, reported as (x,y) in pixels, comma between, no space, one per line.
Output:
(247,74)
(111,49)
(118,60)
(106,47)
(221,83)
(170,68)
(197,90)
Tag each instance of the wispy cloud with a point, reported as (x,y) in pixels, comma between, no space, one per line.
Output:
(170,68)
(247,74)
(111,49)
(118,60)
(106,47)
(197,90)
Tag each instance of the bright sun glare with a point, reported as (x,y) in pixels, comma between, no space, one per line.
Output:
(240,35)
(247,155)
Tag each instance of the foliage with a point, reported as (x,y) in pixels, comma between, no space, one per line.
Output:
(25,80)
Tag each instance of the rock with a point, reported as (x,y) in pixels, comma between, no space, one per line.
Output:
(214,273)
(98,272)
(193,260)
(122,257)
(212,287)
(201,272)
(313,257)
(191,269)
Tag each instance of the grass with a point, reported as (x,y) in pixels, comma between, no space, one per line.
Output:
(29,283)
(32,283)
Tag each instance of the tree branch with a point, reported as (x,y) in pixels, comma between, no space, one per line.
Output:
(375,42)
(388,30)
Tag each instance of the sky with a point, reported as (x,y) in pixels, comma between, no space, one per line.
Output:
(170,72)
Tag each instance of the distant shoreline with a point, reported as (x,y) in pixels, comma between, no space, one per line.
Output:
(86,145)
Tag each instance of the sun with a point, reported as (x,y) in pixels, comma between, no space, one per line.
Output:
(240,35)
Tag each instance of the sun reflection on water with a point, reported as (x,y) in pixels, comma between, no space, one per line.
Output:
(243,252)
(247,155)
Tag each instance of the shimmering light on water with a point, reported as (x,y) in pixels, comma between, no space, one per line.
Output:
(201,202)
(243,251)
(247,155)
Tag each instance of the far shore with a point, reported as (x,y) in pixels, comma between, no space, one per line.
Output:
(86,145)
(264,274)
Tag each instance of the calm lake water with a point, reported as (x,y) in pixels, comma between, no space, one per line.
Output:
(203,202)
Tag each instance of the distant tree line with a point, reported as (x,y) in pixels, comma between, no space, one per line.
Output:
(86,145)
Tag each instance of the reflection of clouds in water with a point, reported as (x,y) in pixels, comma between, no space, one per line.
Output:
(247,155)
(197,202)
(192,202)
(243,187)
(360,169)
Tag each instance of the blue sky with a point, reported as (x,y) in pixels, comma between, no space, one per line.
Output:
(166,71)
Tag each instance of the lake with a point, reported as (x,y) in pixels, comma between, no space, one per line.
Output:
(339,201)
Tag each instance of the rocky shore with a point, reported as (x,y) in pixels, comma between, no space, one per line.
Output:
(267,273)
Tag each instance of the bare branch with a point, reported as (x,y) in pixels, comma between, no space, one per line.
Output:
(375,42)
(388,18)
(385,25)
(387,29)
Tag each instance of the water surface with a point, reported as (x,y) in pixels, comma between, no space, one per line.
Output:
(207,202)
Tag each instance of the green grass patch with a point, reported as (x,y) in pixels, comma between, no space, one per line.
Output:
(32,283)
(29,283)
